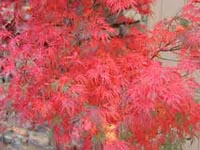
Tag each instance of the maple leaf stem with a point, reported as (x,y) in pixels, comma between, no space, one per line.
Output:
(168,59)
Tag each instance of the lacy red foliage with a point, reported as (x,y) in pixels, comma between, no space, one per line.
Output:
(97,87)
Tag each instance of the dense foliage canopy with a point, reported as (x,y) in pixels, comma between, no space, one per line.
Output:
(96,75)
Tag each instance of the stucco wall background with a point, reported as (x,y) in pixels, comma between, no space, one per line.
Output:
(165,8)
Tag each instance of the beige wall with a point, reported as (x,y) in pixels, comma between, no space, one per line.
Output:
(165,8)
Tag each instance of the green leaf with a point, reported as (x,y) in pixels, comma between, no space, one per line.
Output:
(184,22)
(55,85)
(124,134)
(99,138)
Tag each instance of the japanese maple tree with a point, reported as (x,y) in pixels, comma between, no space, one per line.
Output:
(96,75)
